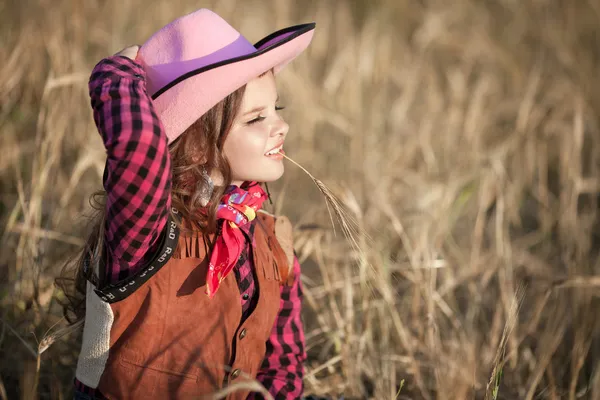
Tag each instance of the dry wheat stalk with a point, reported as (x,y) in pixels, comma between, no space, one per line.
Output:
(493,385)
(350,228)
(250,385)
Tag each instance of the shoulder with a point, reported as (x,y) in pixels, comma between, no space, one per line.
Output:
(192,241)
(279,225)
(281,228)
(266,216)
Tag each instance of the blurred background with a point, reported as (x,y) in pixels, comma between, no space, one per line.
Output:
(461,135)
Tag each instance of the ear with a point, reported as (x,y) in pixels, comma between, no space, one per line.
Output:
(198,157)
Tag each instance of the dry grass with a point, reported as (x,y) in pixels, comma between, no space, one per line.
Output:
(462,136)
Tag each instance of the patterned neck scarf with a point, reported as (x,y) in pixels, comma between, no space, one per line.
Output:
(237,208)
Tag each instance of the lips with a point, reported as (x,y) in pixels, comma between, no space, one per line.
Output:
(275,150)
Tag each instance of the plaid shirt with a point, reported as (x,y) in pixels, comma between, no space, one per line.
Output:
(137,180)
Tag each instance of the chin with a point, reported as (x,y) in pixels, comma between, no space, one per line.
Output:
(270,178)
(271,175)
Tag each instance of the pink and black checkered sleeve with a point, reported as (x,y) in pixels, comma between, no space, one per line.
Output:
(282,370)
(137,176)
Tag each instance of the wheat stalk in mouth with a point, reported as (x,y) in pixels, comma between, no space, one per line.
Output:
(350,228)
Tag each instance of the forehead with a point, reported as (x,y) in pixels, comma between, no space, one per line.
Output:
(260,89)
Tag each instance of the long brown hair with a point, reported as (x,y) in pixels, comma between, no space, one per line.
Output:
(199,147)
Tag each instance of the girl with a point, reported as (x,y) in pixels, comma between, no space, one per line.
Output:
(189,286)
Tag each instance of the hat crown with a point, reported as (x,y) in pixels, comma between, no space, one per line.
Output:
(190,42)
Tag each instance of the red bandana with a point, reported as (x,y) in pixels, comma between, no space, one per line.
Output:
(237,208)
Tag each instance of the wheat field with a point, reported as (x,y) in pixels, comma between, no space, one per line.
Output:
(462,137)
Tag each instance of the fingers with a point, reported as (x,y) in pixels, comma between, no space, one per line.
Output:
(129,52)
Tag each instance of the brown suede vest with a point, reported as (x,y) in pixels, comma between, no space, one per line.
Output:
(170,341)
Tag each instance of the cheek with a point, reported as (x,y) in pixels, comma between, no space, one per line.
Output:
(244,146)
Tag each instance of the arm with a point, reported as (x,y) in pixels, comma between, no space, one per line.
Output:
(282,369)
(137,176)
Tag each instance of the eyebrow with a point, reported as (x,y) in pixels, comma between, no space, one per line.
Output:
(256,109)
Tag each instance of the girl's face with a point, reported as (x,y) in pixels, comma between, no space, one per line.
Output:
(256,134)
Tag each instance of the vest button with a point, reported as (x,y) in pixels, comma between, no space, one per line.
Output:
(235,373)
(245,296)
(243,333)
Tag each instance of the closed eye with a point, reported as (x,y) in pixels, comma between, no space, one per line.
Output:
(255,120)
(260,117)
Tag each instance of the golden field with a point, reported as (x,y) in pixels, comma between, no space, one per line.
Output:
(463,136)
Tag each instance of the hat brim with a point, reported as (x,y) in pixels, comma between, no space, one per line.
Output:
(181,102)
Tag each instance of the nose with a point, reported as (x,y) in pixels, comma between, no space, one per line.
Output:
(280,128)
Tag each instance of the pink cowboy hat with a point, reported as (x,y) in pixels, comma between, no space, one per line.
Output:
(199,59)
